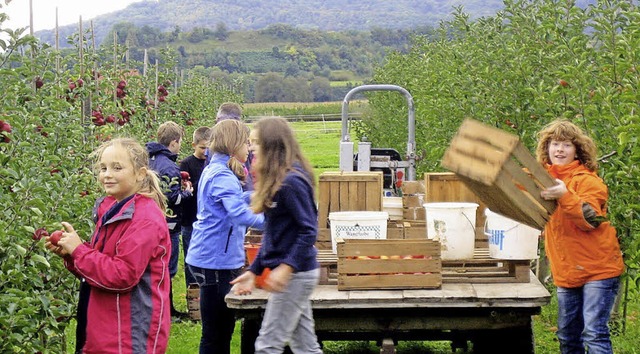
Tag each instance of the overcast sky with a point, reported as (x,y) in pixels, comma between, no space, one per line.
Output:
(69,11)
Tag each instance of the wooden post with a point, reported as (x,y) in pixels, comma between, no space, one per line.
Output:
(115,65)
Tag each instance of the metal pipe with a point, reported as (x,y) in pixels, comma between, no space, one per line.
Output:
(411,126)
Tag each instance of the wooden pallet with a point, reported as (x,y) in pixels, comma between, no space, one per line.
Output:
(483,269)
(494,165)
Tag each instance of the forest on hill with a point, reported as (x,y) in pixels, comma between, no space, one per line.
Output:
(323,15)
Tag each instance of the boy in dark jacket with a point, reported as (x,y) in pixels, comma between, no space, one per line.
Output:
(162,159)
(193,165)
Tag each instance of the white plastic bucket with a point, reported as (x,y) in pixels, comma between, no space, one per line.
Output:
(454,225)
(357,225)
(393,206)
(509,239)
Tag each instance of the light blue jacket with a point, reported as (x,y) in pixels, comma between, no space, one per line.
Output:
(217,241)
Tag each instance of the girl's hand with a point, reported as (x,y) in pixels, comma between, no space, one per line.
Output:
(279,277)
(55,249)
(68,242)
(243,285)
(555,192)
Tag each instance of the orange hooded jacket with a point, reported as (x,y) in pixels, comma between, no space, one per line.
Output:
(580,245)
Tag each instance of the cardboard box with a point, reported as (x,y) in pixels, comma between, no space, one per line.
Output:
(413,200)
(412,187)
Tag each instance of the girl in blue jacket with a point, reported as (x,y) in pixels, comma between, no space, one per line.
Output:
(216,251)
(284,191)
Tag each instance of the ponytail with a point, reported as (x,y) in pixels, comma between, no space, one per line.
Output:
(238,169)
(150,187)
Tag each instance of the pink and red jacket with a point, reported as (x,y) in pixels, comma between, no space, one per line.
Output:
(125,264)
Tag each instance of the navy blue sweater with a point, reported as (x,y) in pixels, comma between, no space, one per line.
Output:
(291,227)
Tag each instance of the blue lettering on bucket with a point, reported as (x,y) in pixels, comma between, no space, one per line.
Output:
(496,237)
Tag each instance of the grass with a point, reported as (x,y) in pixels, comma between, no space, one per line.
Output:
(320,142)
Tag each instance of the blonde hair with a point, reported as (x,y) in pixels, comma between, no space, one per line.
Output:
(279,151)
(150,185)
(168,132)
(202,134)
(564,130)
(227,137)
(229,110)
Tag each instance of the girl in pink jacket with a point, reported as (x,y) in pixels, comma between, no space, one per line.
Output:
(125,282)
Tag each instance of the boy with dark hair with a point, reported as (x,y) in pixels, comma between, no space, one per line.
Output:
(193,164)
(162,160)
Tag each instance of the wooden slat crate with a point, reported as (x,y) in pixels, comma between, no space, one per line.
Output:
(193,302)
(389,264)
(348,191)
(448,187)
(490,162)
(328,267)
(482,269)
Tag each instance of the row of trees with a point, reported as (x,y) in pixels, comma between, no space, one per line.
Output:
(534,62)
(293,55)
(54,111)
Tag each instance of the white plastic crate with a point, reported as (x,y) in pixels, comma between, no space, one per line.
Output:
(366,225)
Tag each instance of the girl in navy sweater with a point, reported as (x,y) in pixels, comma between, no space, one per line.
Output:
(284,191)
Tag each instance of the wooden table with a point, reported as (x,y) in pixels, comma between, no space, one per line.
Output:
(495,317)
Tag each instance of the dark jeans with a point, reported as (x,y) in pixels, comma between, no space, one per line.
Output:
(175,252)
(186,232)
(218,321)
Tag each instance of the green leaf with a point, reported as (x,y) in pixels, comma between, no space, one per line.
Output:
(40,259)
(21,250)
(623,138)
(36,211)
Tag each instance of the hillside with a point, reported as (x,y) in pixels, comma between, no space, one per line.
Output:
(324,15)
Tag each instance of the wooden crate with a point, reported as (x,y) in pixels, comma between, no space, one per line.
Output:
(389,264)
(348,191)
(448,187)
(328,267)
(482,269)
(193,302)
(491,163)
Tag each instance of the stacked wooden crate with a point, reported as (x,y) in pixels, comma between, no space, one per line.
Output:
(389,264)
(346,191)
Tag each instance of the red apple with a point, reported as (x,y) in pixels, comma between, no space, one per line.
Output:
(563,83)
(80,82)
(184,175)
(55,237)
(40,233)
(110,118)
(5,130)
(39,82)
(122,84)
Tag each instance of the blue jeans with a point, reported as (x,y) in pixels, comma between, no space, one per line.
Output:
(186,239)
(288,318)
(175,252)
(583,316)
(218,321)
